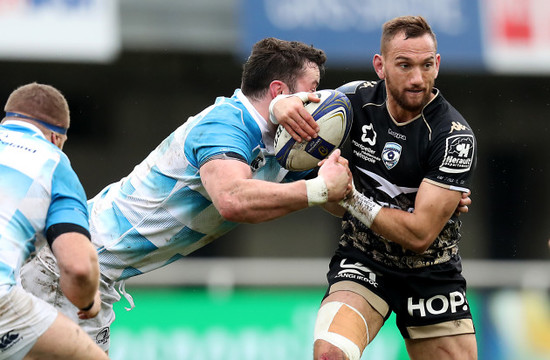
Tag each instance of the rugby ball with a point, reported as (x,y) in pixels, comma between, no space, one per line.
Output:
(334,116)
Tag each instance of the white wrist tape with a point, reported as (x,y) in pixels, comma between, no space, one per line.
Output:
(317,192)
(361,207)
(301,95)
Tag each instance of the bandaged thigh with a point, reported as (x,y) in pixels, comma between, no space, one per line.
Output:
(344,327)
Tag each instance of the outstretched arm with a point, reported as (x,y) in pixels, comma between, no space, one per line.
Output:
(240,198)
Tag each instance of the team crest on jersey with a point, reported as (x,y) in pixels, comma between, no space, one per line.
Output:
(391,154)
(459,154)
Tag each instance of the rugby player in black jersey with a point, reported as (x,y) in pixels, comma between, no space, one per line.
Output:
(412,157)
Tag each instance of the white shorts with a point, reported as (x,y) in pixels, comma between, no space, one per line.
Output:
(40,277)
(23,319)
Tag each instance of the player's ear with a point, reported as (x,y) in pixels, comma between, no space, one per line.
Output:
(277,87)
(57,139)
(437,62)
(378,65)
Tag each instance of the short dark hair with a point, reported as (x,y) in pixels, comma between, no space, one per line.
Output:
(275,59)
(412,26)
(40,101)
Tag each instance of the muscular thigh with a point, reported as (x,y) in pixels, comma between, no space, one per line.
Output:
(345,324)
(372,317)
(431,303)
(428,302)
(65,340)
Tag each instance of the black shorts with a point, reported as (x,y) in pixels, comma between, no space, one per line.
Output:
(428,302)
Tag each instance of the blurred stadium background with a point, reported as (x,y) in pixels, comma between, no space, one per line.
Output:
(133,70)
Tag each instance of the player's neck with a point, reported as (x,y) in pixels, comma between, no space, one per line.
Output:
(400,115)
(262,106)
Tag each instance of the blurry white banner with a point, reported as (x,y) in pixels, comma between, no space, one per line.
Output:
(59,30)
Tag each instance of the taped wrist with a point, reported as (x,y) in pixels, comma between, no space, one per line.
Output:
(317,192)
(361,207)
(301,95)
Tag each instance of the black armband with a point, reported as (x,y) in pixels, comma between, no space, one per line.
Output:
(57,229)
(230,155)
(88,307)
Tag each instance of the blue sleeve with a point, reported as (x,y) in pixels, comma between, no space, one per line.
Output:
(68,203)
(222,130)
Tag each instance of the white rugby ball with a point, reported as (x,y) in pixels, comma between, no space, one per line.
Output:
(334,116)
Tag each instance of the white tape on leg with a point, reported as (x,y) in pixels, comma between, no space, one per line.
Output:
(344,327)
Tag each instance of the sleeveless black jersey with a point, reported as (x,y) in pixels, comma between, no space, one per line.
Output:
(389,160)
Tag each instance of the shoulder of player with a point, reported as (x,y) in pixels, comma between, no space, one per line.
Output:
(444,118)
(226,124)
(366,91)
(225,113)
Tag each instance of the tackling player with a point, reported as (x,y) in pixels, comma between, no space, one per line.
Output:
(216,170)
(413,157)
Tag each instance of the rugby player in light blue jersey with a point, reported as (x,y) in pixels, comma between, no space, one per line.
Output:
(216,170)
(42,201)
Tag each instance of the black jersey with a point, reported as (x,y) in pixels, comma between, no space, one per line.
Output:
(389,160)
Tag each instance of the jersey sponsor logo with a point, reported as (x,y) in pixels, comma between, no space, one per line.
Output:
(357,271)
(259,161)
(457,126)
(8,340)
(391,154)
(369,135)
(5,140)
(102,336)
(397,135)
(368,84)
(438,304)
(364,152)
(459,154)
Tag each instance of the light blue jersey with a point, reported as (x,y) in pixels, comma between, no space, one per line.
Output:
(38,188)
(161,211)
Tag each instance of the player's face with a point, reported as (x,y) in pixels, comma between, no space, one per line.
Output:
(410,69)
(309,80)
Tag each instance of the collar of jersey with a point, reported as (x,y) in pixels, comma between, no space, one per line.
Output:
(268,134)
(24,124)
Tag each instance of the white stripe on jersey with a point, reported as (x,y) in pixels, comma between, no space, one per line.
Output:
(161,211)
(28,164)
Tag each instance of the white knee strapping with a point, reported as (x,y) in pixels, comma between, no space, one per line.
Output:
(344,327)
